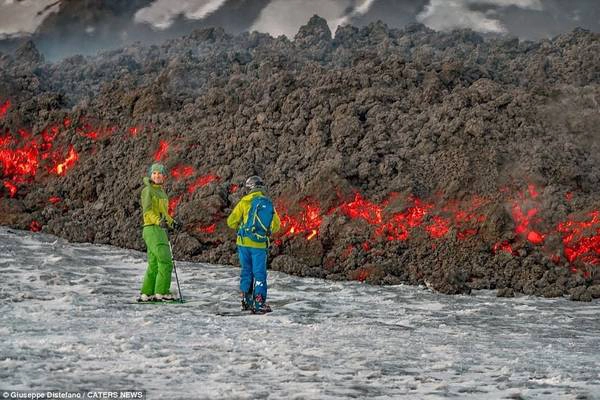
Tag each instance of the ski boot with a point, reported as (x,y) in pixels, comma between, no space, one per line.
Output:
(260,306)
(247,301)
(163,297)
(144,298)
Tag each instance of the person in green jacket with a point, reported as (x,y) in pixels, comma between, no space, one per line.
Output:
(253,241)
(155,212)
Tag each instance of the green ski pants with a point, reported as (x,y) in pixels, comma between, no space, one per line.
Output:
(160,261)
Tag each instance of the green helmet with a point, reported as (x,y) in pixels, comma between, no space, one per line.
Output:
(157,167)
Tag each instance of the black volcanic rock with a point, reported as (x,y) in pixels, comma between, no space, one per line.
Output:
(314,33)
(27,53)
(378,111)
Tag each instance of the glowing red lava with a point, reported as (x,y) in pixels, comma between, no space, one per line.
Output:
(173,203)
(207,229)
(161,152)
(4,108)
(182,172)
(201,182)
(61,168)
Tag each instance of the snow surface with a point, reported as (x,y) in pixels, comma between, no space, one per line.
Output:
(65,324)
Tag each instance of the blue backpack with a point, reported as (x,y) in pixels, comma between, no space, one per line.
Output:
(258,224)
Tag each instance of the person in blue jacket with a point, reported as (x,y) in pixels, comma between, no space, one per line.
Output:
(255,219)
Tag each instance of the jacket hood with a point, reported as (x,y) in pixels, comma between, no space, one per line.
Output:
(253,194)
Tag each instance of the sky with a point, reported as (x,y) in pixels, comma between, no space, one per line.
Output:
(59,25)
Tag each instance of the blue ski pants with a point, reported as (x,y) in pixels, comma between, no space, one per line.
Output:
(254,269)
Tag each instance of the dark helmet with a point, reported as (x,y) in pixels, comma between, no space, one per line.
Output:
(254,182)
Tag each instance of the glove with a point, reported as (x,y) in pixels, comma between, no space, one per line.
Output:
(176,225)
(163,224)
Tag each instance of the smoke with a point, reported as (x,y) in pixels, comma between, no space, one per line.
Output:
(479,15)
(18,18)
(285,17)
(557,17)
(361,9)
(162,13)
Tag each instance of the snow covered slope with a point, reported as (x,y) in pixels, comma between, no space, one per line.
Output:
(65,324)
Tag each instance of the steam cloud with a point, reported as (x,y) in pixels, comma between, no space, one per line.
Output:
(162,13)
(23,17)
(284,17)
(280,17)
(446,15)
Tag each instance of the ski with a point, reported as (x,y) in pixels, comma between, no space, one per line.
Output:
(232,313)
(239,313)
(159,302)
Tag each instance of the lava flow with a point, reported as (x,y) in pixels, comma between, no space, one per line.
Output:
(581,239)
(305,223)
(4,108)
(22,155)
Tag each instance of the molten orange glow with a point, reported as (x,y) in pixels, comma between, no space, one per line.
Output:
(173,203)
(4,108)
(24,134)
(532,191)
(503,246)
(207,229)
(394,227)
(161,152)
(525,219)
(535,237)
(12,189)
(306,223)
(465,217)
(463,235)
(400,224)
(581,239)
(569,196)
(22,154)
(522,219)
(439,228)
(88,132)
(35,226)
(182,172)
(363,274)
(49,134)
(85,129)
(19,163)
(61,168)
(363,209)
(201,182)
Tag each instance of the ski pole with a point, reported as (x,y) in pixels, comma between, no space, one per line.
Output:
(176,277)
